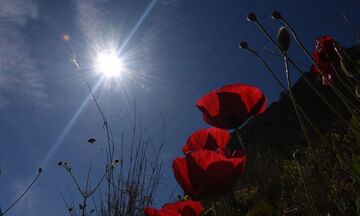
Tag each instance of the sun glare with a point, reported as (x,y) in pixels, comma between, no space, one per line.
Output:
(109,64)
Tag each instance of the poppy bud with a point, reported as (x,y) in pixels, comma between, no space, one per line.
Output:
(276,15)
(80,206)
(251,17)
(40,170)
(70,209)
(243,45)
(59,163)
(283,38)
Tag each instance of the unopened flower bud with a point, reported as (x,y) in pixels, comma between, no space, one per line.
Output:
(91,140)
(276,15)
(40,170)
(251,17)
(60,163)
(243,45)
(283,38)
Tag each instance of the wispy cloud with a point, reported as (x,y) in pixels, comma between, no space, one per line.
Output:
(90,18)
(18,72)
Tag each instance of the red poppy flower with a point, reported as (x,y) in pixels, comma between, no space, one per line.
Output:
(231,105)
(160,212)
(210,138)
(325,49)
(180,208)
(326,58)
(207,173)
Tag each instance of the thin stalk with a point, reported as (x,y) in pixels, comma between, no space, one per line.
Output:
(269,69)
(302,125)
(22,195)
(83,209)
(261,183)
(342,81)
(292,97)
(75,181)
(333,87)
(333,148)
(305,79)
(90,166)
(245,46)
(133,133)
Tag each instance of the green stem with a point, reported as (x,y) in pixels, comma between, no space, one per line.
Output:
(305,79)
(333,148)
(302,125)
(347,103)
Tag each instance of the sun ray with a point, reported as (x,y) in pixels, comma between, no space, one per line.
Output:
(55,146)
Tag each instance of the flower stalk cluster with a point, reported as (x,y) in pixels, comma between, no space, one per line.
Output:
(326,62)
(87,192)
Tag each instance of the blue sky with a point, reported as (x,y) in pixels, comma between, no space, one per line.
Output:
(162,43)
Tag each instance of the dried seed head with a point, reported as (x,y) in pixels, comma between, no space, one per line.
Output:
(243,45)
(251,17)
(276,15)
(283,38)
(40,170)
(91,140)
(60,163)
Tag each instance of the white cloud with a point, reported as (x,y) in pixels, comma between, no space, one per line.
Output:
(18,72)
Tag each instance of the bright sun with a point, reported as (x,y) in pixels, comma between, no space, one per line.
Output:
(109,63)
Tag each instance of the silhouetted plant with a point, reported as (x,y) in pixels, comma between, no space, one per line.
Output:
(22,194)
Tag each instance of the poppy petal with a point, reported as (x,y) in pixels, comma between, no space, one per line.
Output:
(210,138)
(181,174)
(211,173)
(187,207)
(231,105)
(160,212)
